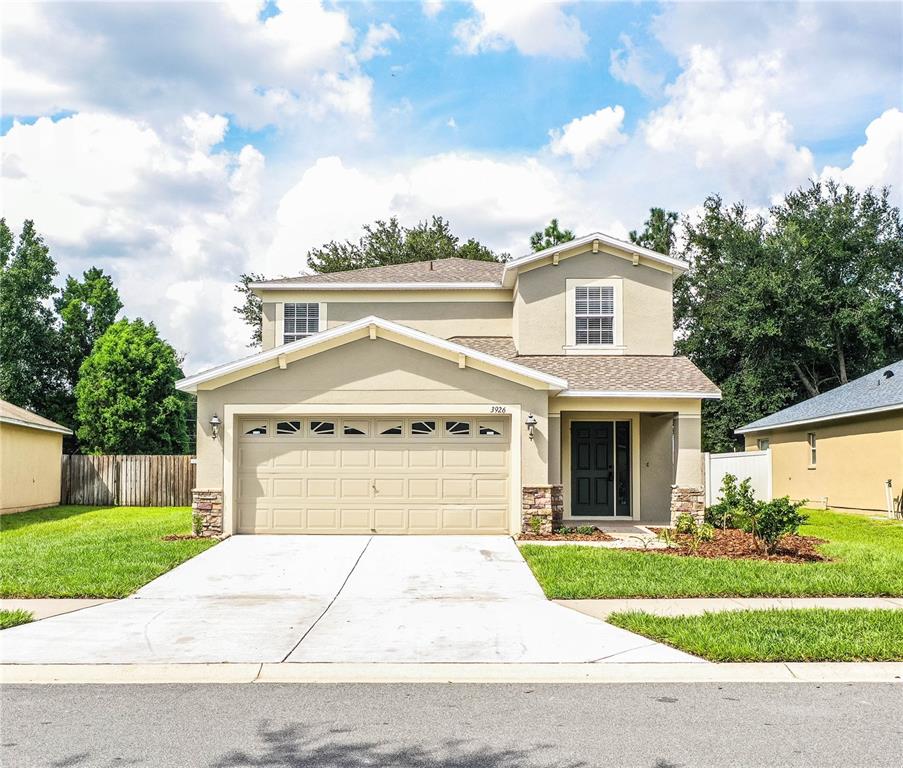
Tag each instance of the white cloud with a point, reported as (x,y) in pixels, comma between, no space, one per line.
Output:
(162,60)
(432,8)
(632,64)
(879,161)
(585,137)
(497,200)
(451,123)
(721,116)
(841,61)
(173,221)
(375,41)
(533,27)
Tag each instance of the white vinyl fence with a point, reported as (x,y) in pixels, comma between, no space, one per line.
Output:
(756,465)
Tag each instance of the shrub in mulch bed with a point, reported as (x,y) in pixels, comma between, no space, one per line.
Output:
(596,535)
(735,544)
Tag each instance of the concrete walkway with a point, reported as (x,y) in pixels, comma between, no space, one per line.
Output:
(694,606)
(44,608)
(337,599)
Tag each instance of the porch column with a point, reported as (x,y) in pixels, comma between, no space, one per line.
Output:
(688,489)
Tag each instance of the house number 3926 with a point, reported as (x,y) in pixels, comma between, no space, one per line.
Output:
(498,409)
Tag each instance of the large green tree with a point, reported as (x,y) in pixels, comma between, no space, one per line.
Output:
(552,235)
(251,307)
(126,396)
(779,308)
(388,242)
(29,359)
(658,231)
(86,308)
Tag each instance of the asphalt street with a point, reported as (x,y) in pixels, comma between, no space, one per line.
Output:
(452,726)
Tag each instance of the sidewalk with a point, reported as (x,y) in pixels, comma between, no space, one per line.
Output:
(694,606)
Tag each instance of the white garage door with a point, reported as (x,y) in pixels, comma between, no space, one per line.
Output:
(332,474)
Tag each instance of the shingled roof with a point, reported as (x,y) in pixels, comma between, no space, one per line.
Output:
(451,270)
(604,373)
(880,390)
(19,417)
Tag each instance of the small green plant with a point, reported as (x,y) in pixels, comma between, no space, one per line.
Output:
(705,532)
(770,520)
(685,523)
(666,537)
(197,524)
(585,530)
(736,503)
(535,524)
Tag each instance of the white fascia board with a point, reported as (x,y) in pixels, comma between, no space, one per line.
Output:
(276,286)
(613,242)
(31,425)
(818,419)
(638,393)
(189,384)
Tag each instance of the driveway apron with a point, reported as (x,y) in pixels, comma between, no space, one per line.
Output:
(336,599)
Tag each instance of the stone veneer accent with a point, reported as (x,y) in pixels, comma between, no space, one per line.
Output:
(687,499)
(545,502)
(207,512)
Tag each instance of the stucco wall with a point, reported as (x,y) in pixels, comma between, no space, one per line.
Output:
(442,319)
(656,468)
(854,460)
(540,304)
(30,467)
(378,372)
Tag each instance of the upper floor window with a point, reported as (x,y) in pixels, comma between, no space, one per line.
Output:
(594,314)
(810,438)
(300,321)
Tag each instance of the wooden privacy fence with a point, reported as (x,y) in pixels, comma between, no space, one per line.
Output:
(128,481)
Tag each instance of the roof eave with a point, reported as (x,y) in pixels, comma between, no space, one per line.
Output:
(461,286)
(651,393)
(59,428)
(749,428)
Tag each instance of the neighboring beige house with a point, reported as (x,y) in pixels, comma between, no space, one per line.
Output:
(457,396)
(841,448)
(31,449)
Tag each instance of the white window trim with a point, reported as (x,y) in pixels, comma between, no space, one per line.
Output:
(280,317)
(571,346)
(812,446)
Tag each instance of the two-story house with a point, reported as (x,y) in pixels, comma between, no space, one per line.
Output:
(457,396)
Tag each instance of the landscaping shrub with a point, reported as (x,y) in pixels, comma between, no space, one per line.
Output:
(685,523)
(769,520)
(736,504)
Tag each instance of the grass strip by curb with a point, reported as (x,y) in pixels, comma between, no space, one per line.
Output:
(799,634)
(14,618)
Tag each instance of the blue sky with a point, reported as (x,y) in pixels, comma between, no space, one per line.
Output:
(177,145)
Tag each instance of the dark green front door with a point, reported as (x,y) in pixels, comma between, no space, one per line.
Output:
(592,469)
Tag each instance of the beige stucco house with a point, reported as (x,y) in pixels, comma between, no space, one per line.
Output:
(457,396)
(31,449)
(841,449)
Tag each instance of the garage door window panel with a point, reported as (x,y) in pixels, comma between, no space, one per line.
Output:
(356,428)
(254,428)
(457,428)
(322,428)
(423,428)
(389,428)
(289,428)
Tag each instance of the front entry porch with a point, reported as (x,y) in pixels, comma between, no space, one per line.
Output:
(619,461)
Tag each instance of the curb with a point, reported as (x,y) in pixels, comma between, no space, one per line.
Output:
(311,673)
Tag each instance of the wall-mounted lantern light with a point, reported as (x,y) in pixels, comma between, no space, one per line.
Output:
(214,425)
(531,424)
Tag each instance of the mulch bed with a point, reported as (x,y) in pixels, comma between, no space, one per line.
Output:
(739,545)
(180,537)
(597,535)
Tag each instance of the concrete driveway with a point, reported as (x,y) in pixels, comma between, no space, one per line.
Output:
(336,599)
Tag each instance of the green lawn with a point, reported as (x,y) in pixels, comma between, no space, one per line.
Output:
(75,551)
(14,618)
(867,560)
(807,634)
